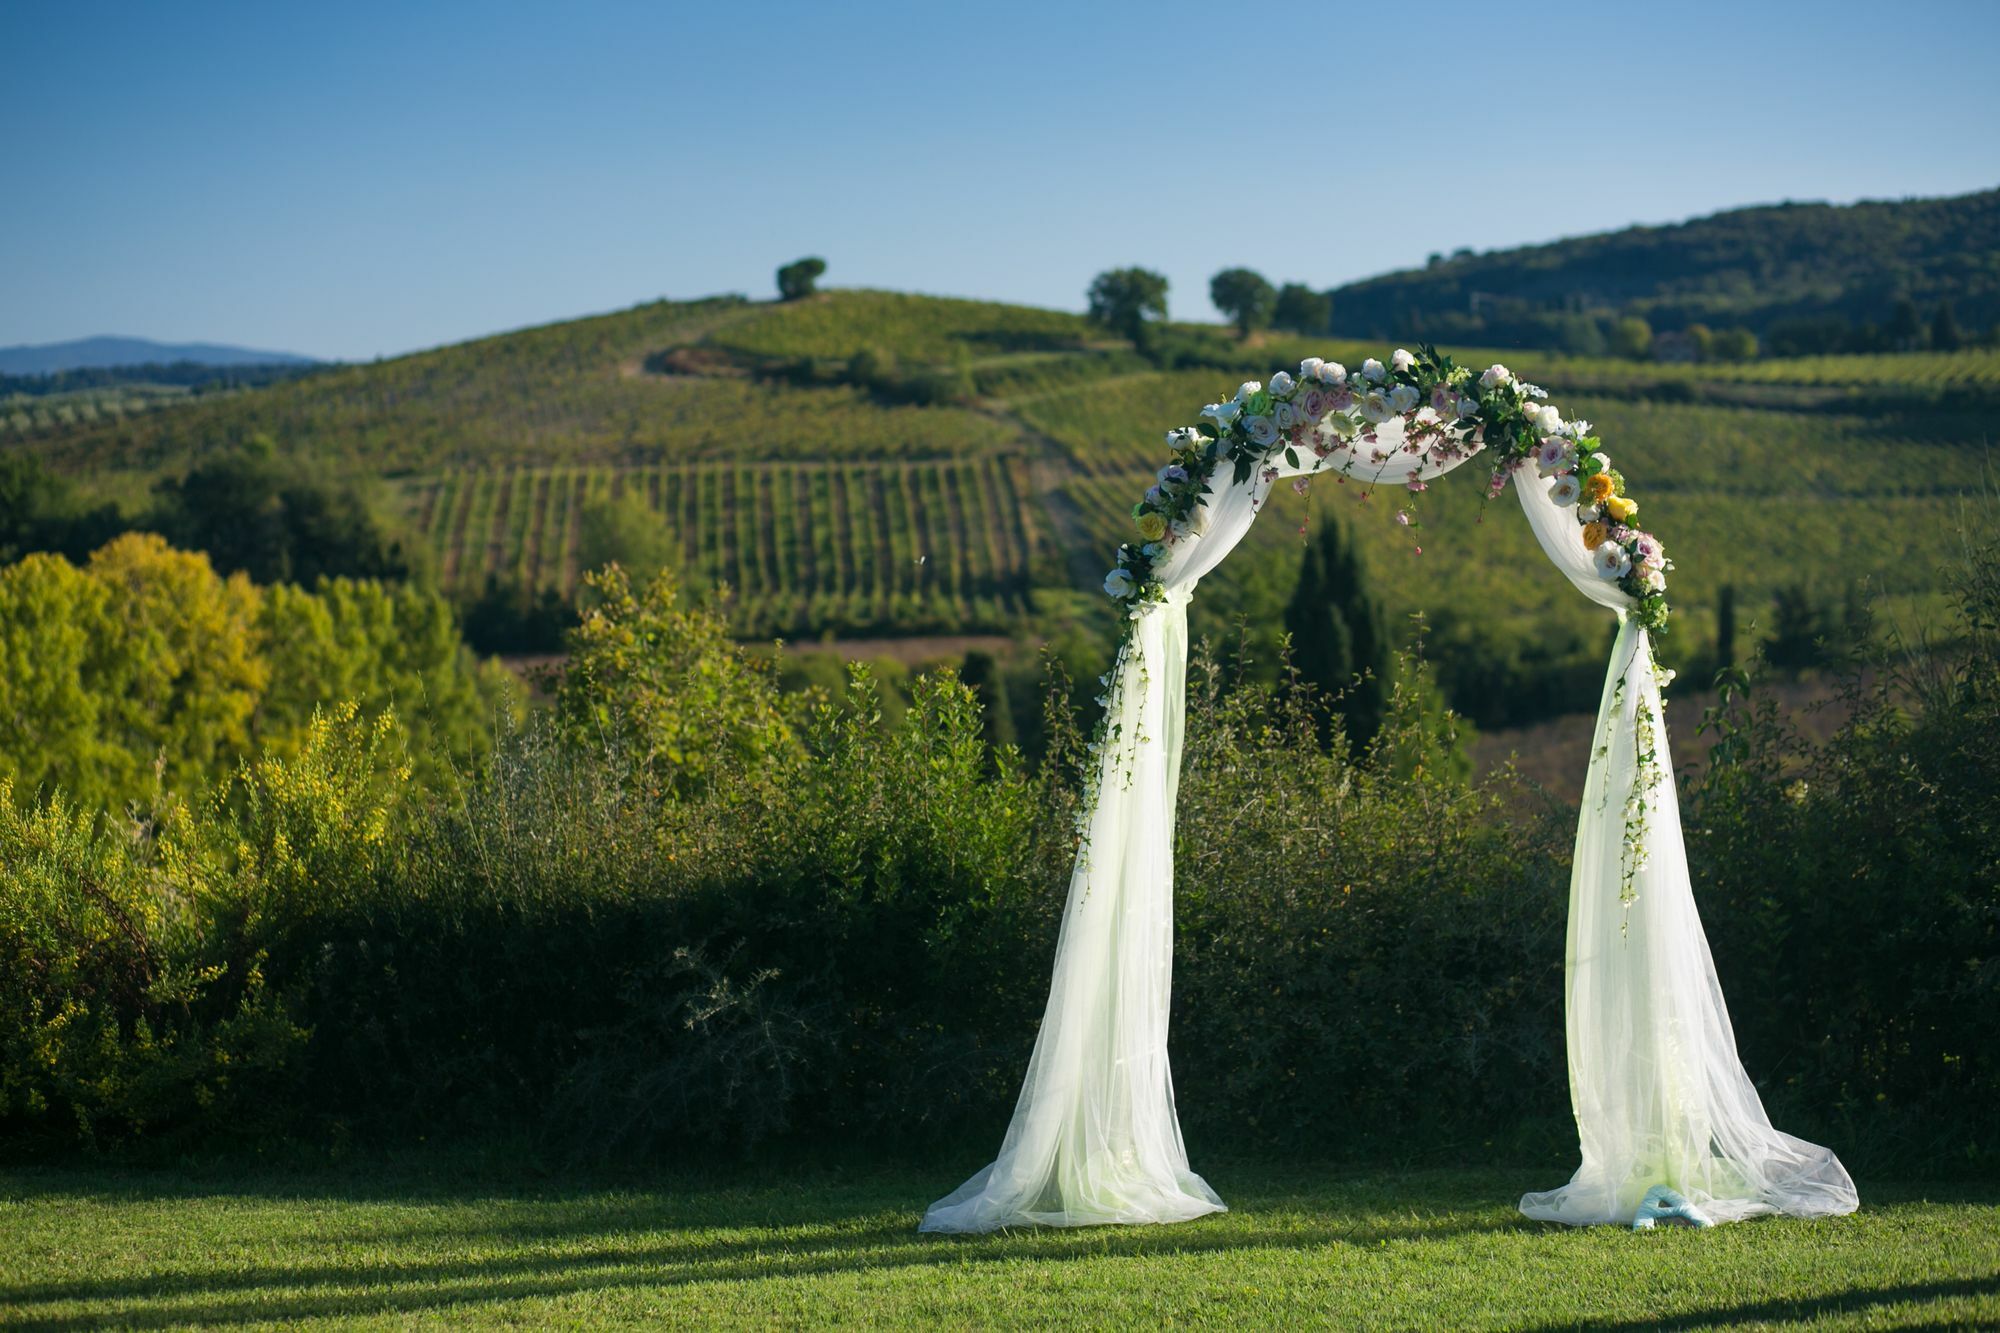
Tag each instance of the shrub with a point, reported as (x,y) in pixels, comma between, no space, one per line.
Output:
(666,684)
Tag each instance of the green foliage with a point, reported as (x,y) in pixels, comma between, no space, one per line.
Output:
(842,324)
(1338,642)
(393,650)
(1737,344)
(665,685)
(625,531)
(821,460)
(1300,309)
(1245,297)
(1128,301)
(1865,862)
(40,510)
(271,519)
(796,279)
(1847,271)
(144,672)
(1632,338)
(846,934)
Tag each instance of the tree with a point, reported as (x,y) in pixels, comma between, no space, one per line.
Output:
(666,684)
(1703,339)
(1303,310)
(185,671)
(625,531)
(1945,335)
(1737,344)
(1338,642)
(54,634)
(1905,330)
(1725,627)
(796,279)
(1244,296)
(982,675)
(389,648)
(1129,301)
(273,519)
(1632,338)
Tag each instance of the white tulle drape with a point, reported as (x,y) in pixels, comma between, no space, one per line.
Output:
(1094,1136)
(1659,1094)
(1661,1097)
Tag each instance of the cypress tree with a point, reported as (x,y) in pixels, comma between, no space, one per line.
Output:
(1725,628)
(1339,641)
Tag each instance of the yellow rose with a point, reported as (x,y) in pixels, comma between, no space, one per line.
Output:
(1620,508)
(1152,526)
(1594,535)
(1599,488)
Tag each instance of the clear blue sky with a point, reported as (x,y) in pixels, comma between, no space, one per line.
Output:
(356,179)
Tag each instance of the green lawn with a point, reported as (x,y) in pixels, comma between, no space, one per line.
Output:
(436,1240)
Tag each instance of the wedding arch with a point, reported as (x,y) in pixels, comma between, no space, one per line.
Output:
(1660,1097)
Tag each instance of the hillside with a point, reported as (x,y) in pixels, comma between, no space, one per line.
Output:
(95,353)
(1810,277)
(867,463)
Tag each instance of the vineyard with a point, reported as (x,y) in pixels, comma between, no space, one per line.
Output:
(866,548)
(828,501)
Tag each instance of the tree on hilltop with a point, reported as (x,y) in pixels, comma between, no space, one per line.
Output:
(796,279)
(1245,296)
(1303,310)
(1129,301)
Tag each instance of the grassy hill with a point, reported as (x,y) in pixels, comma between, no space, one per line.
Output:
(876,463)
(1815,276)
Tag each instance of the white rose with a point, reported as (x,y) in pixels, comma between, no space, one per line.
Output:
(1565,491)
(1371,370)
(1495,376)
(1222,413)
(1309,368)
(1468,407)
(1282,384)
(1261,430)
(1612,562)
(1118,583)
(1286,416)
(1548,421)
(1402,360)
(1403,398)
(1332,372)
(1246,389)
(1656,581)
(1375,406)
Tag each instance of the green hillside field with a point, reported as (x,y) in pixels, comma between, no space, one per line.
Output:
(873,463)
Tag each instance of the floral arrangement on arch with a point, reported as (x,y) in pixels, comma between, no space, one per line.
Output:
(1446,410)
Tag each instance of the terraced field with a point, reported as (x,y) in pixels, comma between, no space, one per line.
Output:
(865,547)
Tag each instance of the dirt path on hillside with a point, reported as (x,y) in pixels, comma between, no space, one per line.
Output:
(1049,466)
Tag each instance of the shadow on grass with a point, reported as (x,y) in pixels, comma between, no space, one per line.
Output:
(364,1288)
(558,1241)
(1852,1301)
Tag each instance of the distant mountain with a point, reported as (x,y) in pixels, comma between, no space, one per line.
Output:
(1804,278)
(95,353)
